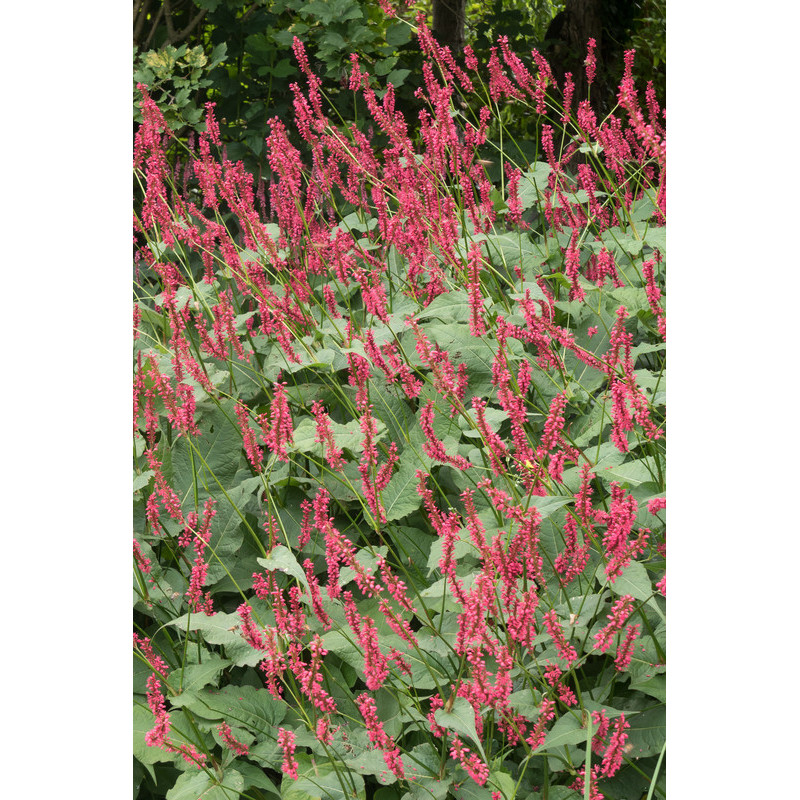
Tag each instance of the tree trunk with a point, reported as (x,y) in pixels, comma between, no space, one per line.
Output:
(448,23)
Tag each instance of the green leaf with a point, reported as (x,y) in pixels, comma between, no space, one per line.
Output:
(283,69)
(398,33)
(525,702)
(221,628)
(201,786)
(453,306)
(336,642)
(140,481)
(630,244)
(648,732)
(567,730)
(562,793)
(461,719)
(196,676)
(143,721)
(461,548)
(657,238)
(642,209)
(634,581)
(253,776)
(391,410)
(547,505)
(333,41)
(640,470)
(533,183)
(243,706)
(656,686)
(319,9)
(283,559)
(322,780)
(385,65)
(214,458)
(349,436)
(397,76)
(400,496)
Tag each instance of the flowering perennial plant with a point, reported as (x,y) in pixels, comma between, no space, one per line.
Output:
(399,449)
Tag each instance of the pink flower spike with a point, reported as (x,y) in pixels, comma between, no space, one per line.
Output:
(591,61)
(286,744)
(656,504)
(564,648)
(231,742)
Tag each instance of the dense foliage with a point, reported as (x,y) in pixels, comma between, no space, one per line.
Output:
(238,55)
(399,449)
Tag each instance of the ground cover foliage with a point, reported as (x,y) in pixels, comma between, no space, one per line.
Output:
(399,450)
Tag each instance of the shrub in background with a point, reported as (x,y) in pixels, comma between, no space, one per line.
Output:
(399,451)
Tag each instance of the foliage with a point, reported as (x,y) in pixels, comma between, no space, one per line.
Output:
(244,63)
(398,453)
(174,77)
(523,23)
(252,80)
(649,39)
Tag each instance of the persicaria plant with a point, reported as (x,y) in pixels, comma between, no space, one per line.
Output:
(399,449)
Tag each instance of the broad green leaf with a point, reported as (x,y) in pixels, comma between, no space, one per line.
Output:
(391,409)
(397,76)
(336,642)
(567,730)
(370,762)
(400,496)
(221,628)
(630,244)
(426,788)
(243,706)
(533,183)
(640,470)
(140,481)
(322,780)
(647,733)
(547,505)
(634,580)
(462,547)
(561,793)
(284,560)
(214,458)
(253,776)
(508,249)
(333,40)
(642,209)
(461,719)
(345,485)
(657,238)
(529,288)
(348,436)
(453,306)
(143,721)
(524,702)
(497,781)
(201,786)
(655,686)
(324,360)
(411,543)
(398,33)
(196,676)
